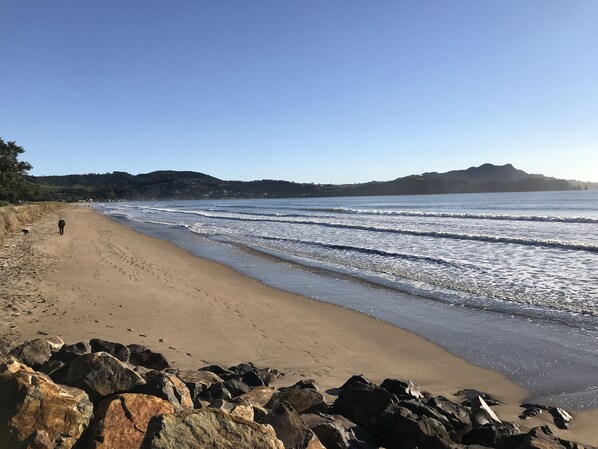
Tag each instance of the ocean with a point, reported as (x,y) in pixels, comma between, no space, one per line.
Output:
(506,280)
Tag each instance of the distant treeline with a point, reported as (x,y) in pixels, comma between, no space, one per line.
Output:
(192,185)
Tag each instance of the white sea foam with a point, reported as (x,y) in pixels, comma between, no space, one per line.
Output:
(533,250)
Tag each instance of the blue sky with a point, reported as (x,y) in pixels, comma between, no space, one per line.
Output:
(310,91)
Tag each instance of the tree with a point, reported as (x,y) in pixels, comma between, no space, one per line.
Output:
(13,186)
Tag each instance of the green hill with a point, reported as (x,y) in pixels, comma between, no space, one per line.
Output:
(160,185)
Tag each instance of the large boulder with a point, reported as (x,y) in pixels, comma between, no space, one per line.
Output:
(560,416)
(196,380)
(399,427)
(236,407)
(252,376)
(168,387)
(216,391)
(356,378)
(544,438)
(403,389)
(236,387)
(453,417)
(361,403)
(303,400)
(35,353)
(258,396)
(142,356)
(490,434)
(291,429)
(469,393)
(120,421)
(337,432)
(222,372)
(118,350)
(481,413)
(79,348)
(30,401)
(101,374)
(58,365)
(208,429)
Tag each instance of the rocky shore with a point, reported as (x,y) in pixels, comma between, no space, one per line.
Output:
(99,394)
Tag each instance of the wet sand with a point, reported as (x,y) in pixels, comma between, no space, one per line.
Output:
(105,280)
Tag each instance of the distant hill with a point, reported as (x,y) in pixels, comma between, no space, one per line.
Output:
(160,185)
(484,173)
(583,185)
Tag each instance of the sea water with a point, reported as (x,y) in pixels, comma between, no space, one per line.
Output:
(506,280)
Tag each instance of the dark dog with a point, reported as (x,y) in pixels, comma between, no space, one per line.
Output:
(25,231)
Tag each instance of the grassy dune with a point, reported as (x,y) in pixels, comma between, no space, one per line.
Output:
(14,218)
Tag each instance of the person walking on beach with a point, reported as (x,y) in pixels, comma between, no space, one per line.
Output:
(61,224)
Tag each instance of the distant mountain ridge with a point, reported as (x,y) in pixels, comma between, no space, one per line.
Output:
(484,173)
(166,184)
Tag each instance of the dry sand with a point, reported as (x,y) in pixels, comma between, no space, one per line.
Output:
(105,280)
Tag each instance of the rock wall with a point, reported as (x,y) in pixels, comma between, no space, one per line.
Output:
(104,395)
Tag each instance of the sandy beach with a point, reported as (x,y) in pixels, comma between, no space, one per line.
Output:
(105,280)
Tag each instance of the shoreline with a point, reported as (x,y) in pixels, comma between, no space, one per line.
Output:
(555,362)
(103,279)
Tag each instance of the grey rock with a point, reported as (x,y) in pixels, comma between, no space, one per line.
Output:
(243,368)
(208,428)
(337,432)
(253,379)
(68,353)
(530,412)
(142,356)
(54,369)
(454,418)
(490,434)
(544,438)
(35,353)
(197,381)
(481,413)
(399,427)
(120,351)
(560,416)
(403,389)
(100,374)
(468,394)
(291,429)
(307,383)
(168,387)
(356,378)
(222,372)
(361,403)
(215,391)
(236,387)
(303,400)
(269,375)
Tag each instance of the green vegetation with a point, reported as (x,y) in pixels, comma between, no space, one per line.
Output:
(13,186)
(161,185)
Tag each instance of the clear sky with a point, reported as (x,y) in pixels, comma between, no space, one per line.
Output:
(310,91)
